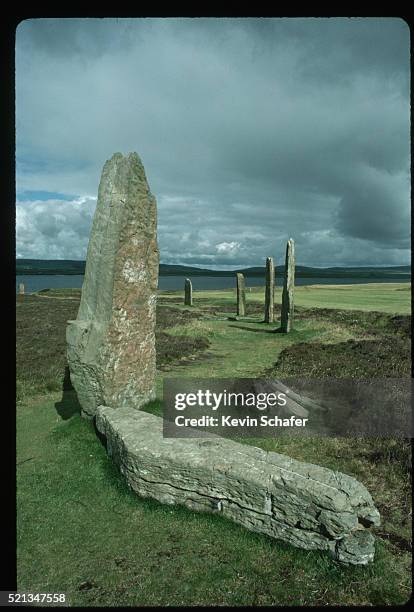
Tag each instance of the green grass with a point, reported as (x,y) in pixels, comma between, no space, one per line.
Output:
(83,532)
(381,297)
(240,348)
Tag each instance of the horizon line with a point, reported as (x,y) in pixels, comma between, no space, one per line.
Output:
(201,267)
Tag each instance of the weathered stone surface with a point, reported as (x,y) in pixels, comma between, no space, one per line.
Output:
(188,292)
(241,295)
(288,288)
(269,291)
(111,344)
(357,549)
(306,505)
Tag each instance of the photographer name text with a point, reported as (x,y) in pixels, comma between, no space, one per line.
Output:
(247,421)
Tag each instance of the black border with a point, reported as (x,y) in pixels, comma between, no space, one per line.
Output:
(8,26)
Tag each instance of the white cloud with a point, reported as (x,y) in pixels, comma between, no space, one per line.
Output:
(54,229)
(230,248)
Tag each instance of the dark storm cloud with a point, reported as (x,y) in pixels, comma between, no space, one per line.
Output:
(251,131)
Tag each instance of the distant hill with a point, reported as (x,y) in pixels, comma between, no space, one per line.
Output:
(49,266)
(71,266)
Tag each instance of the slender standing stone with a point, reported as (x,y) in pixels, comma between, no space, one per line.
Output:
(188,292)
(288,288)
(21,288)
(270,291)
(111,344)
(241,295)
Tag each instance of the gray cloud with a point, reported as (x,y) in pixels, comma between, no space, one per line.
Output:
(250,130)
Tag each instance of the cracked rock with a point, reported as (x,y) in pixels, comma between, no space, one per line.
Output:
(309,506)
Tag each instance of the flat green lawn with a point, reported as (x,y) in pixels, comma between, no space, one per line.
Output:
(382,297)
(83,532)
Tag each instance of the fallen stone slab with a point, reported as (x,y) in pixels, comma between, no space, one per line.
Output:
(306,505)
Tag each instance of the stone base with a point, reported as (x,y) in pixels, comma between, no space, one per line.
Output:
(309,506)
(94,380)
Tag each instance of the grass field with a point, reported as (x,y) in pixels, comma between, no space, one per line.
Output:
(382,297)
(82,532)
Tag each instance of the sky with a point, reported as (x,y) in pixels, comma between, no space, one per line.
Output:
(251,131)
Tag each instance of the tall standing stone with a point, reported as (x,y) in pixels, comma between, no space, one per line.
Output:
(241,295)
(21,288)
(269,291)
(188,292)
(111,344)
(288,288)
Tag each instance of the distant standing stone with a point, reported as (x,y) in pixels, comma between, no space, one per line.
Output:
(111,344)
(241,295)
(288,288)
(188,292)
(21,288)
(269,291)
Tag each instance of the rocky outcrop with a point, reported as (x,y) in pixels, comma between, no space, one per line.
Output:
(111,344)
(306,505)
